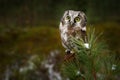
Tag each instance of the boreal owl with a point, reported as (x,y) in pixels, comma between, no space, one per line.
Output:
(73,23)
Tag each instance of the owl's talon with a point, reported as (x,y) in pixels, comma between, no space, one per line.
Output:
(72,52)
(67,51)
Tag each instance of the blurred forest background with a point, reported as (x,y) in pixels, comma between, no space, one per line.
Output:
(29,34)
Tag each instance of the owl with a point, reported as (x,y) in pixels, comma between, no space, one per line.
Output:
(73,23)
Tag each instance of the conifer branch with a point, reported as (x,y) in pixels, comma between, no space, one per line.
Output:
(89,63)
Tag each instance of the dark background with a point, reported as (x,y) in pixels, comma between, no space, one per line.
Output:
(30,27)
(34,12)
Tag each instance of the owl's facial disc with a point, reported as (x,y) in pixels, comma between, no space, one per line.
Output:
(73,18)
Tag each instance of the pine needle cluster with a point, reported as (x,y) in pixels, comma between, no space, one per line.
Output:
(91,63)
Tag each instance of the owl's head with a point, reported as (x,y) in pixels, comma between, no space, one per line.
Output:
(73,18)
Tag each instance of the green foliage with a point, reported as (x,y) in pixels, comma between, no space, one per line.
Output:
(92,63)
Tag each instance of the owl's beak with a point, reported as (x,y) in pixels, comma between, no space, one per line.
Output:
(71,24)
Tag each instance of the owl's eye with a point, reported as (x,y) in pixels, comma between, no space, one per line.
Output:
(68,17)
(77,19)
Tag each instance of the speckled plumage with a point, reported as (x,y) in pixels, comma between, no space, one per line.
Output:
(72,23)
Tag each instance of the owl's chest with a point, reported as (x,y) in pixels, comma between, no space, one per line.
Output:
(66,33)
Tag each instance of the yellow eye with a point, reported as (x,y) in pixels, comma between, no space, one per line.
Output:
(77,19)
(68,17)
